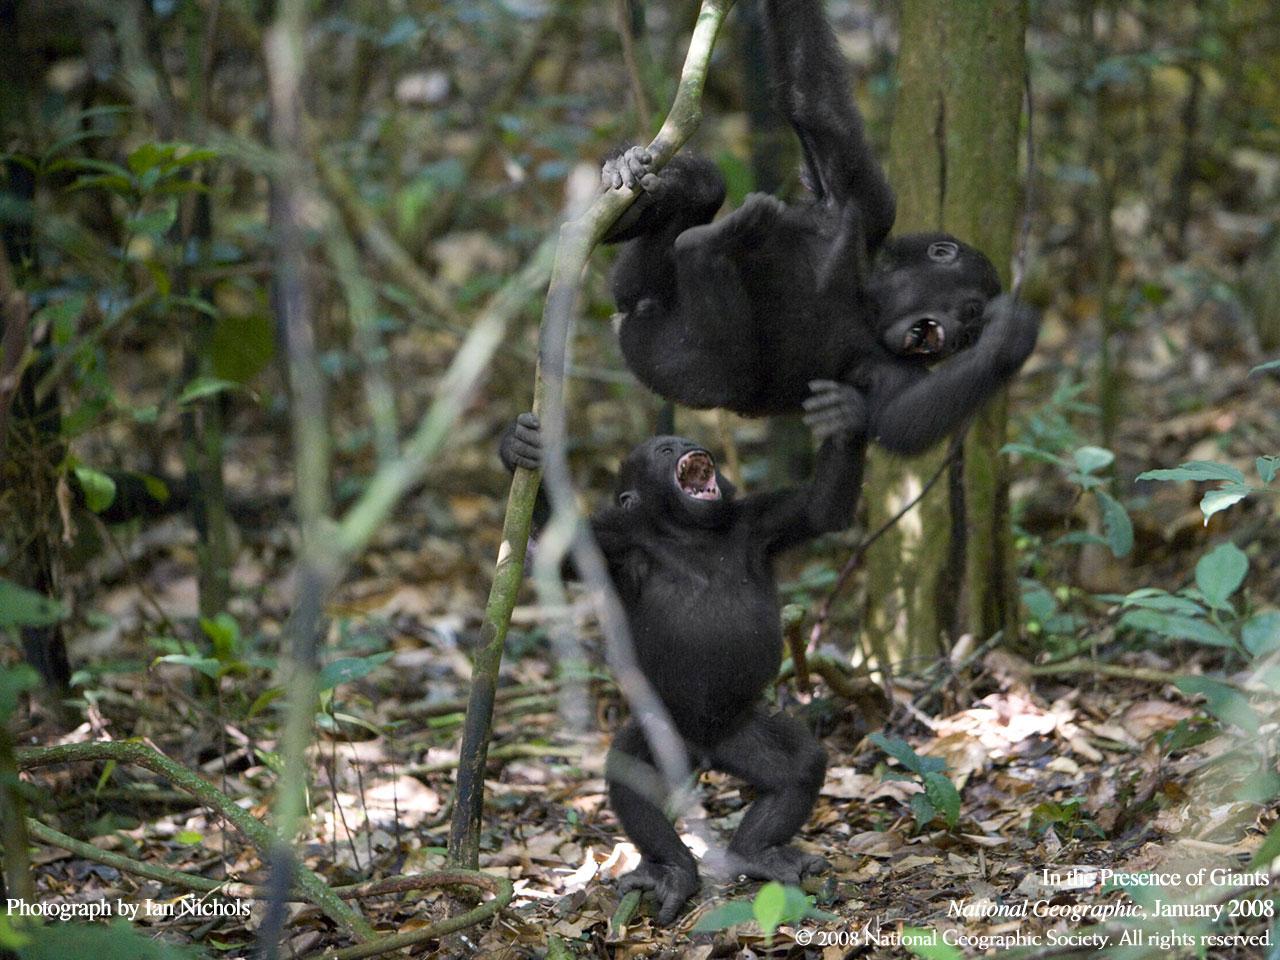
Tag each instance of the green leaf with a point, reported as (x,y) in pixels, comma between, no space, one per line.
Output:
(922,809)
(190,157)
(724,916)
(1262,787)
(156,488)
(799,904)
(1091,459)
(1225,702)
(1268,467)
(198,304)
(1261,633)
(1033,453)
(14,682)
(242,346)
(1151,599)
(1040,603)
(1197,470)
(106,181)
(1116,525)
(202,387)
(224,633)
(99,489)
(61,317)
(207,665)
(770,907)
(153,223)
(117,941)
(189,838)
(900,750)
(942,793)
(264,700)
(1175,627)
(20,607)
(147,156)
(1269,365)
(1219,574)
(334,721)
(1269,850)
(89,163)
(1221,498)
(349,669)
(927,944)
(1085,481)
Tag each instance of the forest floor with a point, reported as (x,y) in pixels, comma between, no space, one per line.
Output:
(1114,768)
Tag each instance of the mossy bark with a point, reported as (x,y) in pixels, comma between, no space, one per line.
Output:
(948,567)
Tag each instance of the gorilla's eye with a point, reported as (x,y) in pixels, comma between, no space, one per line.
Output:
(942,251)
(667,449)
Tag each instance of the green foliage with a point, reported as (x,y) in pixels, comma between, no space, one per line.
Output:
(117,941)
(20,607)
(350,669)
(814,581)
(1205,613)
(1232,486)
(202,387)
(242,346)
(927,944)
(774,905)
(1047,430)
(1047,436)
(940,796)
(1067,819)
(1044,610)
(226,645)
(1225,702)
(14,682)
(1082,469)
(99,489)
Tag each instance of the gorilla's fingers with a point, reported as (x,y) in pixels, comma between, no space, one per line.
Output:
(671,905)
(824,401)
(823,386)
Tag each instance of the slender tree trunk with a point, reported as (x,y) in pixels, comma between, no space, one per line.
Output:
(948,567)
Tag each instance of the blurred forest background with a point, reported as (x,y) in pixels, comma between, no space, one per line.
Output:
(242,249)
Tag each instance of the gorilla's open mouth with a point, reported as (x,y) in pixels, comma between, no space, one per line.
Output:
(926,336)
(696,474)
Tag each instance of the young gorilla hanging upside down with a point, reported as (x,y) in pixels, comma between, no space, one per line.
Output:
(744,312)
(693,567)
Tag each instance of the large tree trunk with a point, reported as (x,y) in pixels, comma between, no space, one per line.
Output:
(948,567)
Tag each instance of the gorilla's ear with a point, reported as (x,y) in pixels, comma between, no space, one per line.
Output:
(628,499)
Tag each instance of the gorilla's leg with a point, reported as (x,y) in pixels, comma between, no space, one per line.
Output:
(786,765)
(690,339)
(637,794)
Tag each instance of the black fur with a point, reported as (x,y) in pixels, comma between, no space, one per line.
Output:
(744,312)
(695,577)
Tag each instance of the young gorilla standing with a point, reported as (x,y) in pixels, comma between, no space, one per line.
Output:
(773,296)
(693,567)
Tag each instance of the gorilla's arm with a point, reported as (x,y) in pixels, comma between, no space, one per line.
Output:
(912,409)
(814,94)
(612,526)
(836,413)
